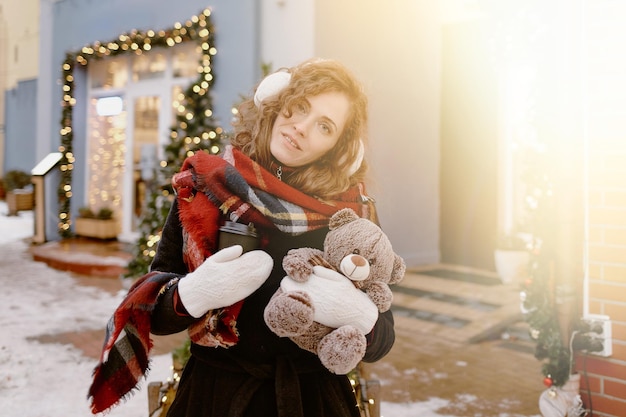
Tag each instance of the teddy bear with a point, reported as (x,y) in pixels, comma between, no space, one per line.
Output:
(358,262)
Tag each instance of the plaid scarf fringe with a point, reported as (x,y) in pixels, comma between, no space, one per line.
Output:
(125,355)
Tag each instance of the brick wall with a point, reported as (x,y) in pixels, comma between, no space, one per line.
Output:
(607,275)
(606,136)
(605,96)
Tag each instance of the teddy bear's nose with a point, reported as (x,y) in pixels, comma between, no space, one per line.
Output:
(355,267)
(358,260)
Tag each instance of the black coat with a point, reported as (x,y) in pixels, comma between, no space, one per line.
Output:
(263,375)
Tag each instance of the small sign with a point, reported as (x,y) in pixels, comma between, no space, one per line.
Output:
(46,164)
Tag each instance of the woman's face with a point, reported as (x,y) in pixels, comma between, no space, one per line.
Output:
(312,130)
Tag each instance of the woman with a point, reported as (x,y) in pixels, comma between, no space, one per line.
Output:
(296,158)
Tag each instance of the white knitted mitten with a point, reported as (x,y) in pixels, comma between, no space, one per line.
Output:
(337,302)
(223,279)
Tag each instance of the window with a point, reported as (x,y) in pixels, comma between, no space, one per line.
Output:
(109,74)
(149,66)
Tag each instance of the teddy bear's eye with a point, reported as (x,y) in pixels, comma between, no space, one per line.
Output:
(356,252)
(372,261)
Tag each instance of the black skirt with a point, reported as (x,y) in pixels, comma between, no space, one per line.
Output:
(215,383)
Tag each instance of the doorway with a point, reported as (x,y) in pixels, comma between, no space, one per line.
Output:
(130,136)
(469,142)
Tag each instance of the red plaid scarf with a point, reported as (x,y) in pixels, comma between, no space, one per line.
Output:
(124,358)
(207,187)
(238,187)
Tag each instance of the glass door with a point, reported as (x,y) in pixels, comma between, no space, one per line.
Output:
(146,130)
(145,133)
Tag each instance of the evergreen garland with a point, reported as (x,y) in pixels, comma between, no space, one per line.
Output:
(542,312)
(545,300)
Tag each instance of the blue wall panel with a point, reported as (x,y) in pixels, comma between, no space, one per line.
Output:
(20,127)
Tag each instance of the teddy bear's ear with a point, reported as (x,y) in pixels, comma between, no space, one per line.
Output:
(343,216)
(399,268)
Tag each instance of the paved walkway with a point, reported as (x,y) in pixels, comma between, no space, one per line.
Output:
(459,334)
(483,363)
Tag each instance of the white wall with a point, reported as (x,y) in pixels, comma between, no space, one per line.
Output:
(287,32)
(21,45)
(394,48)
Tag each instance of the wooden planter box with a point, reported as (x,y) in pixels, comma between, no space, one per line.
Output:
(19,200)
(97,228)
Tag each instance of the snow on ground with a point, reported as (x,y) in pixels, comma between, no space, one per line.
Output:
(51,380)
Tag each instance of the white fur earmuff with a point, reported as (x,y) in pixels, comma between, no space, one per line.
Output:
(359,159)
(271,85)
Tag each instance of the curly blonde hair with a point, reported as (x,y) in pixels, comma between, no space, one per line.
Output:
(329,175)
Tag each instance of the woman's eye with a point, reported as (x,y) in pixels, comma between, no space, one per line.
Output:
(325,128)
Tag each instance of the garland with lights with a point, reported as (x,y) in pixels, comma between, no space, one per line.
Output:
(198,28)
(547,305)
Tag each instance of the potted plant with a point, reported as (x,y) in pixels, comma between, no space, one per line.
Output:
(511,258)
(100,225)
(19,191)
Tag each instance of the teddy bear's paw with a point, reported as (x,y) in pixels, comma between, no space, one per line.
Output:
(290,314)
(297,263)
(381,295)
(342,349)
